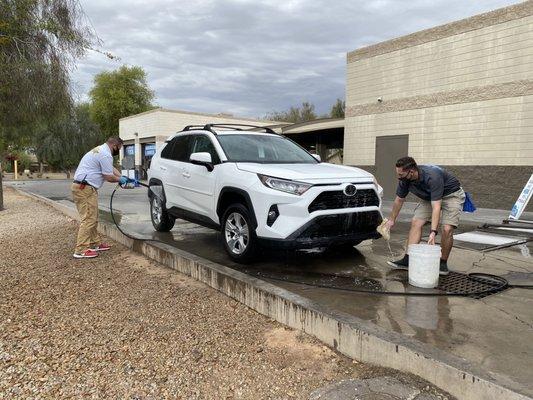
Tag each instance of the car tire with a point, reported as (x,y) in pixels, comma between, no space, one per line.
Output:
(161,220)
(238,234)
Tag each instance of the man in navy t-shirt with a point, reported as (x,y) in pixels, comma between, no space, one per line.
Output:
(441,203)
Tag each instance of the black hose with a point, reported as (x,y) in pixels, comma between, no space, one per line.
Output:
(500,282)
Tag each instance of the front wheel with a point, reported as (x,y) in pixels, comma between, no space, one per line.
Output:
(161,220)
(238,236)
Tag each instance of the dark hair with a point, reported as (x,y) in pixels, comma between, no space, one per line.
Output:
(115,140)
(406,163)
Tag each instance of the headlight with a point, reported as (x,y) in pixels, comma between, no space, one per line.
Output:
(378,187)
(284,185)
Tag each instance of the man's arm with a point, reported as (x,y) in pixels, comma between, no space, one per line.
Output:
(108,171)
(435,219)
(112,178)
(116,172)
(396,207)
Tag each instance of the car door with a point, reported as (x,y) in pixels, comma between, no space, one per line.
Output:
(174,166)
(198,181)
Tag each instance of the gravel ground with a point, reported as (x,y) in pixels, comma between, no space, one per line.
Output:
(120,326)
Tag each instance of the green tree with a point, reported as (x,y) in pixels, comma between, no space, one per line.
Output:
(40,40)
(294,114)
(63,142)
(118,94)
(337,111)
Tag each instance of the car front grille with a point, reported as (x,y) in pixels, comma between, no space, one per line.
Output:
(341,225)
(337,199)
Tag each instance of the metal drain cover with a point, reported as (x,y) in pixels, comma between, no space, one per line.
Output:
(455,282)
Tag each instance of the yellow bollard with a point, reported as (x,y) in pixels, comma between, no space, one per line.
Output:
(16,170)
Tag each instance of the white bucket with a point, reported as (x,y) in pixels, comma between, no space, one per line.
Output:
(424,265)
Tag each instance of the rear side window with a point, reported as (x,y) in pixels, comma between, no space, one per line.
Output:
(167,150)
(178,149)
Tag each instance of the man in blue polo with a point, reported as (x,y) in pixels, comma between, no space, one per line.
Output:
(441,203)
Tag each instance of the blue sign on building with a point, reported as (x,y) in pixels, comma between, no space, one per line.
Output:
(129,150)
(149,149)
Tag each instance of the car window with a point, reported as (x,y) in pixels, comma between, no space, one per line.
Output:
(202,144)
(264,149)
(167,150)
(180,150)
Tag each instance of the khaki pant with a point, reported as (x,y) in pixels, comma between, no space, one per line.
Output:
(451,208)
(86,201)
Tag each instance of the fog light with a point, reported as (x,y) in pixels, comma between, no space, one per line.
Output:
(273,215)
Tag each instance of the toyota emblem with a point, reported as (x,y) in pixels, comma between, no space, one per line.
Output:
(350,190)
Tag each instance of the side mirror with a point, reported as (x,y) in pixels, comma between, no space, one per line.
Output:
(317,157)
(203,158)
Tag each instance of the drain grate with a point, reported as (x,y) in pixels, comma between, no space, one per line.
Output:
(455,282)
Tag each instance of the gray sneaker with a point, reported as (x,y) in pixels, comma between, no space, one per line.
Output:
(402,264)
(444,268)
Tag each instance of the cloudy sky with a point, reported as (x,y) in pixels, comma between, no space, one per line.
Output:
(248,57)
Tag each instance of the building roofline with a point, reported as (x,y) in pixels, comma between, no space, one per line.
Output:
(312,122)
(475,22)
(227,116)
(296,128)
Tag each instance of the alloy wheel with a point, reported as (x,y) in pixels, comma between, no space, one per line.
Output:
(236,233)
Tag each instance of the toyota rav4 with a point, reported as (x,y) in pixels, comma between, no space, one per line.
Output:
(260,189)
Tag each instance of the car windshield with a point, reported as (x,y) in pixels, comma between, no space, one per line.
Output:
(264,149)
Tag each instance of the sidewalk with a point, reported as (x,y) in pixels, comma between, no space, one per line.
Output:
(480,216)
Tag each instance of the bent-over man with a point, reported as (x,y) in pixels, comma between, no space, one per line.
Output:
(441,203)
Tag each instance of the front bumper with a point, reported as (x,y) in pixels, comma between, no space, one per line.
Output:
(319,218)
(326,230)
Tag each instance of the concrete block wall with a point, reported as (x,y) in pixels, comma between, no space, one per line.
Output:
(463,92)
(492,132)
(494,54)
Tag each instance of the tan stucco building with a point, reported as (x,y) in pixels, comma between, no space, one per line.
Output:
(459,95)
(144,133)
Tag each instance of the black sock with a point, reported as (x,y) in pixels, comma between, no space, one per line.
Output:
(445,262)
(405,258)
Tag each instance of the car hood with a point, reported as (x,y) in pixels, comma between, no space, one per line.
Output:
(311,173)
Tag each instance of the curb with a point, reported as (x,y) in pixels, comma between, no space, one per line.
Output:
(351,336)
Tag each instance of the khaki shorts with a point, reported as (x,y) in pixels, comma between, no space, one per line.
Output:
(452,205)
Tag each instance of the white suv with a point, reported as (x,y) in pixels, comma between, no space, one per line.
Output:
(260,189)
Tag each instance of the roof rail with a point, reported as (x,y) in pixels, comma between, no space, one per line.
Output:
(209,127)
(189,127)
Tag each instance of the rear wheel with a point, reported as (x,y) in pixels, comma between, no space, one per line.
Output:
(238,236)
(161,220)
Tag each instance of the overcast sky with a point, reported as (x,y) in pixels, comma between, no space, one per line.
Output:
(248,57)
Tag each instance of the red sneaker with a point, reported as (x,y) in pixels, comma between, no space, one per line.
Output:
(86,254)
(101,247)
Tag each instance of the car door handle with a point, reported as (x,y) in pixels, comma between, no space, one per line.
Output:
(185,174)
(162,168)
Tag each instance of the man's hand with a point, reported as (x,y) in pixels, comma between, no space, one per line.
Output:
(431,239)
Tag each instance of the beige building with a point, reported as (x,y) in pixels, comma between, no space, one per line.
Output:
(144,133)
(459,95)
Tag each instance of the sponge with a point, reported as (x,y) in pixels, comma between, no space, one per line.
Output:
(384,230)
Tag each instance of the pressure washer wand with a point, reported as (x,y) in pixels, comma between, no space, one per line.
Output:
(135,183)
